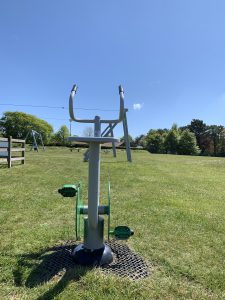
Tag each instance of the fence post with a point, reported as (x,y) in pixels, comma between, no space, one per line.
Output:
(9,151)
(23,152)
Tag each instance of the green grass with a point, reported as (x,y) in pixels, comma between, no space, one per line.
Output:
(175,204)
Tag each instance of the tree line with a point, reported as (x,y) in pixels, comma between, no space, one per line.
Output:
(196,138)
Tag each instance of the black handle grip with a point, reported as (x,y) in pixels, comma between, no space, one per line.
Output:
(121,89)
(74,88)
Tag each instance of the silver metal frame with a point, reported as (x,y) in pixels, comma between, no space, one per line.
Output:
(109,131)
(35,144)
(93,235)
(71,111)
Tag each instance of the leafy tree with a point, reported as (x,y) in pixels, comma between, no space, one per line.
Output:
(155,141)
(182,128)
(61,135)
(18,124)
(122,139)
(140,141)
(198,127)
(172,140)
(174,127)
(216,134)
(188,144)
(221,150)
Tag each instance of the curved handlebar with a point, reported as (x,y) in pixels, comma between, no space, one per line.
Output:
(72,116)
(74,88)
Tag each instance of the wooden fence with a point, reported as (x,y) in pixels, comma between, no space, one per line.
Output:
(9,146)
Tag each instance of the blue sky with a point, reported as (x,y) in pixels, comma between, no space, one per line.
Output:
(168,55)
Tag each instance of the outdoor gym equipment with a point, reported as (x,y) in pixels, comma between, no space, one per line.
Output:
(35,135)
(93,250)
(108,131)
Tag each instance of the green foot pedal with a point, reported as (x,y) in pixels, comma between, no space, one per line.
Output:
(122,232)
(68,190)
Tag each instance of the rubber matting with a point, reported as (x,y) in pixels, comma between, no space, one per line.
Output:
(57,260)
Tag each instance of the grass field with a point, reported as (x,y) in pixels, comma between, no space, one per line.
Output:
(175,204)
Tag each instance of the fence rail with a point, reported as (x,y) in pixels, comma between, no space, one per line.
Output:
(9,146)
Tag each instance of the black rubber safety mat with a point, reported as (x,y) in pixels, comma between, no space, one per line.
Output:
(58,260)
(126,263)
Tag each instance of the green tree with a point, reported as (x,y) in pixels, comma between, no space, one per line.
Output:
(18,124)
(155,141)
(122,139)
(221,150)
(188,144)
(61,135)
(216,134)
(140,141)
(172,140)
(198,127)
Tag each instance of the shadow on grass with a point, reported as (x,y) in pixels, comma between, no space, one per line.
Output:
(53,263)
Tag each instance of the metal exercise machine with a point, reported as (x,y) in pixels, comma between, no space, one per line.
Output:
(108,131)
(93,250)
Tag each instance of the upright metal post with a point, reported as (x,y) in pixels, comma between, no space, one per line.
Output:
(126,136)
(43,146)
(70,127)
(35,145)
(94,240)
(108,130)
(93,237)
(113,143)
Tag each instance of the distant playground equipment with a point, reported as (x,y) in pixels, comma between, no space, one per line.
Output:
(108,132)
(93,250)
(9,146)
(35,136)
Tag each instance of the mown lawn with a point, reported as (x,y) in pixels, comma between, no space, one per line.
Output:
(175,204)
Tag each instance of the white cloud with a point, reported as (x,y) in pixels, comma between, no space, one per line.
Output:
(138,106)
